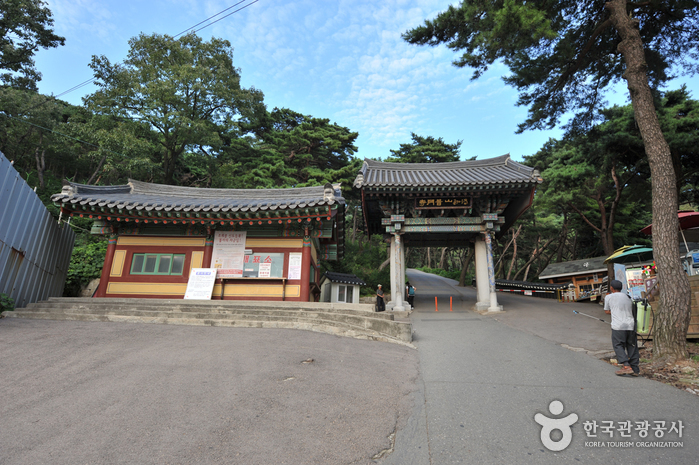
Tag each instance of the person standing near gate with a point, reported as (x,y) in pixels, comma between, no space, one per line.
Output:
(380,304)
(411,294)
(624,338)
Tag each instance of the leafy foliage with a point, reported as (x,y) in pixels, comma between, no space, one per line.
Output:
(25,26)
(451,274)
(85,264)
(7,303)
(425,150)
(561,54)
(185,89)
(363,258)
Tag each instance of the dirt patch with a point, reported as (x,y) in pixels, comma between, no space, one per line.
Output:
(683,374)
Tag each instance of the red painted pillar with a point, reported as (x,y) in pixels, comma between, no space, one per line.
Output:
(107,268)
(208,252)
(306,269)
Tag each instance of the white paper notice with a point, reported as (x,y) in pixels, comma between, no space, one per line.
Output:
(265,270)
(294,266)
(200,284)
(228,253)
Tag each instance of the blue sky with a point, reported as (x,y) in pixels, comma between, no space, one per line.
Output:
(337,59)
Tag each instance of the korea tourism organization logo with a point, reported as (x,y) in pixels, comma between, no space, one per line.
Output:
(549,425)
(557,433)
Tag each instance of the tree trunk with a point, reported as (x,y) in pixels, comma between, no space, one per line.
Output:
(672,319)
(465,266)
(562,244)
(514,251)
(354,225)
(40,163)
(384,264)
(534,256)
(441,259)
(99,168)
(429,259)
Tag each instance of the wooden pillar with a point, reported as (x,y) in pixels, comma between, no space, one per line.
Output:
(208,251)
(306,269)
(107,268)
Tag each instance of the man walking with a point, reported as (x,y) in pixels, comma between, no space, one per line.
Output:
(380,304)
(624,339)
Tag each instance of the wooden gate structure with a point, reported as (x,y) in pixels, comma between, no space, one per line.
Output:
(445,205)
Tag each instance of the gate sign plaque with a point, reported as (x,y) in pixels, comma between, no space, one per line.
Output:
(442,202)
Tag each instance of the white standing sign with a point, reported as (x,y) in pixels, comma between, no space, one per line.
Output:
(229,253)
(200,284)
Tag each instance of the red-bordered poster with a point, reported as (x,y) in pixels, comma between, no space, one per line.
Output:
(229,252)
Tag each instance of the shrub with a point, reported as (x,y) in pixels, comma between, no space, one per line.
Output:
(7,303)
(454,274)
(85,265)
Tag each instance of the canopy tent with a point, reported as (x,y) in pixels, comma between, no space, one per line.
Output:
(631,254)
(689,227)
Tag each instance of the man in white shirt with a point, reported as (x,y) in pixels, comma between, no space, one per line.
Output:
(624,339)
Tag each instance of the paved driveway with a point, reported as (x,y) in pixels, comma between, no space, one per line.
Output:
(107,393)
(483,380)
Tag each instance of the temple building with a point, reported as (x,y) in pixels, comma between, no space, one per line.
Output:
(265,243)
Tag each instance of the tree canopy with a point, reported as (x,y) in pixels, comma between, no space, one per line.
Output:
(562,54)
(25,27)
(425,150)
(185,89)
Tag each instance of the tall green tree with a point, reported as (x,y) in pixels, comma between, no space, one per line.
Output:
(425,150)
(25,27)
(185,89)
(27,124)
(561,55)
(296,150)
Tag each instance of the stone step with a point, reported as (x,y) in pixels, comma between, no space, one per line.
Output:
(206,305)
(256,314)
(340,319)
(380,330)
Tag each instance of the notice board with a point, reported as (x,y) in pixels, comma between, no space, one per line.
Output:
(200,284)
(229,253)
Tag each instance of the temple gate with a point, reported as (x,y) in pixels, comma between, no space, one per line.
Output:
(445,205)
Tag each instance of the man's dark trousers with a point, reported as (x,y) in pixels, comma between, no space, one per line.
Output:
(380,304)
(626,348)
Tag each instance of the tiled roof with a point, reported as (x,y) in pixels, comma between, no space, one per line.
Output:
(138,195)
(344,278)
(461,173)
(574,267)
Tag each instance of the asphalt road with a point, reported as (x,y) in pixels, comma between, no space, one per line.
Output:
(483,380)
(111,393)
(77,392)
